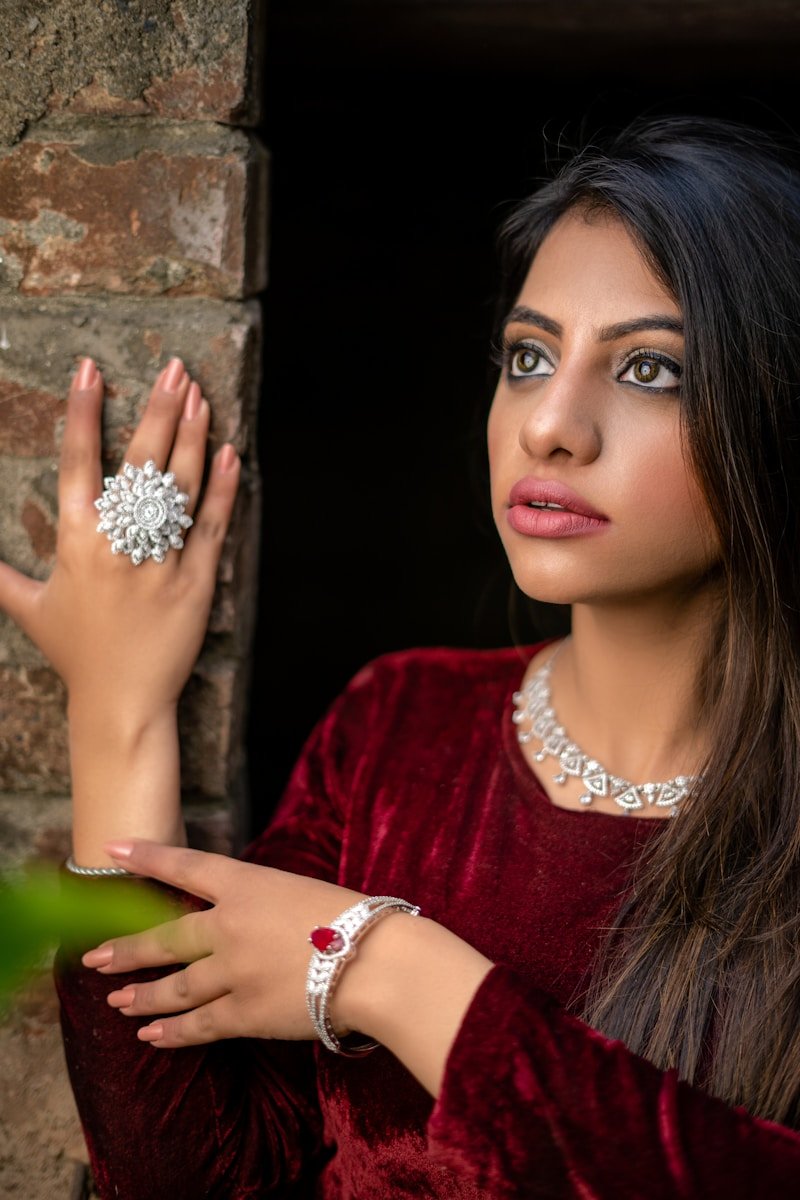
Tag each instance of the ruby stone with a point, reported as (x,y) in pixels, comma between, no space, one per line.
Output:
(324,938)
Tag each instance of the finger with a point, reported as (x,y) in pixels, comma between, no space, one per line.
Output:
(210,1023)
(17,597)
(80,477)
(181,941)
(156,430)
(195,871)
(207,535)
(190,987)
(187,460)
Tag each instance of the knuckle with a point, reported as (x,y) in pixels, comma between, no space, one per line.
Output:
(165,939)
(206,1022)
(211,527)
(164,404)
(74,456)
(181,984)
(182,865)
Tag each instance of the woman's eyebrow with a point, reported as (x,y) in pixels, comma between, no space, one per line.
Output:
(608,333)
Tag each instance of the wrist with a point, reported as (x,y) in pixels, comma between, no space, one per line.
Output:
(114,721)
(400,967)
(125,770)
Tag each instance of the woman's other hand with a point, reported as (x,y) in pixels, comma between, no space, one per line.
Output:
(247,956)
(106,625)
(408,985)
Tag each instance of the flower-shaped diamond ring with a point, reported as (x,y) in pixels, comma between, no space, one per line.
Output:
(142,512)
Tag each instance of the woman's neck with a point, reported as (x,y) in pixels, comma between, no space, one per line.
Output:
(625,687)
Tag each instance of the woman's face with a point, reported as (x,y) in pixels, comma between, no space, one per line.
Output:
(586,417)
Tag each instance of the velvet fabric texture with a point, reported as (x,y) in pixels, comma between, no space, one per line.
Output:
(414,785)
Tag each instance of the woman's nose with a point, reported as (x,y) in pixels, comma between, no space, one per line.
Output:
(563,418)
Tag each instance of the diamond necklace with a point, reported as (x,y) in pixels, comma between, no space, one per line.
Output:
(533,704)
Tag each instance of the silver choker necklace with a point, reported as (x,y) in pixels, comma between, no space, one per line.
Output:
(533,704)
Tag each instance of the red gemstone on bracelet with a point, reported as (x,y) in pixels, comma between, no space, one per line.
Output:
(323,938)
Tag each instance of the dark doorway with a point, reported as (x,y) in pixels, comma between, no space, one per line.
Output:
(398,142)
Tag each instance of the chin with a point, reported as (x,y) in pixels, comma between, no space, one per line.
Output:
(552,591)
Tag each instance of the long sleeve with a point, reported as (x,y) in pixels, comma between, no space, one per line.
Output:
(535,1103)
(238,1118)
(414,785)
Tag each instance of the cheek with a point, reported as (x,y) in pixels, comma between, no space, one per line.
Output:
(497,443)
(666,489)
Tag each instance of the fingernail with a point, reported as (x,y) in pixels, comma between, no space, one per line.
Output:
(192,406)
(122,998)
(227,458)
(87,375)
(99,957)
(151,1033)
(173,375)
(118,849)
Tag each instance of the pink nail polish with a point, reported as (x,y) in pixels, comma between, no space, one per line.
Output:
(192,406)
(227,458)
(100,957)
(173,375)
(122,998)
(151,1033)
(118,849)
(87,375)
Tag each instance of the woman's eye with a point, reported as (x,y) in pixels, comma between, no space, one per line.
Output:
(525,361)
(654,371)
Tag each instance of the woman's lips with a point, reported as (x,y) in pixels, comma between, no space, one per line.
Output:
(573,518)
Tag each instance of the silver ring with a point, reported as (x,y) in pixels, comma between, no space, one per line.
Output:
(143,513)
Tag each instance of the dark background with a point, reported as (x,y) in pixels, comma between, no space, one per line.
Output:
(400,134)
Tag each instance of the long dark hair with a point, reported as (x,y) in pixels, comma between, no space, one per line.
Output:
(701,970)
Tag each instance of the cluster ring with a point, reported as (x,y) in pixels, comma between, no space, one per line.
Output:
(143,513)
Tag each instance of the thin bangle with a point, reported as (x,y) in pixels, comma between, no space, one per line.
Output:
(74,869)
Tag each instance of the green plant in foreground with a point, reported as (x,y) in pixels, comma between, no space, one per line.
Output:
(39,909)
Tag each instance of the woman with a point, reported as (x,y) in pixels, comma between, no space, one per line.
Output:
(600,996)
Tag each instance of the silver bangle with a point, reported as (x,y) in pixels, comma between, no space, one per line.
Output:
(334,946)
(73,867)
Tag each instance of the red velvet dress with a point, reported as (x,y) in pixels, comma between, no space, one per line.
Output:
(414,785)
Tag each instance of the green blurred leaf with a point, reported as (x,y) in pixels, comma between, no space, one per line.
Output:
(40,909)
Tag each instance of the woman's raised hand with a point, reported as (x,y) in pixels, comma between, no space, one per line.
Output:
(124,638)
(103,623)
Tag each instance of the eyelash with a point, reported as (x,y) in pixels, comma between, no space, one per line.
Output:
(502,354)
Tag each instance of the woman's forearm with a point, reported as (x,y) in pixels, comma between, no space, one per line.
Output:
(125,778)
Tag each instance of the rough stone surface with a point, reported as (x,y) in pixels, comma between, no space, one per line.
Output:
(127,206)
(42,1151)
(172,58)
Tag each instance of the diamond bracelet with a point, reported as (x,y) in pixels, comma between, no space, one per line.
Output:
(334,946)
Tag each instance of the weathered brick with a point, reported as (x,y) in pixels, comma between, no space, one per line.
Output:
(174,58)
(34,755)
(124,206)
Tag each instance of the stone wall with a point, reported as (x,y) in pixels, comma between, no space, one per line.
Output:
(133,197)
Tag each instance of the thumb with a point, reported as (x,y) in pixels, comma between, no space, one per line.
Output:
(17,596)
